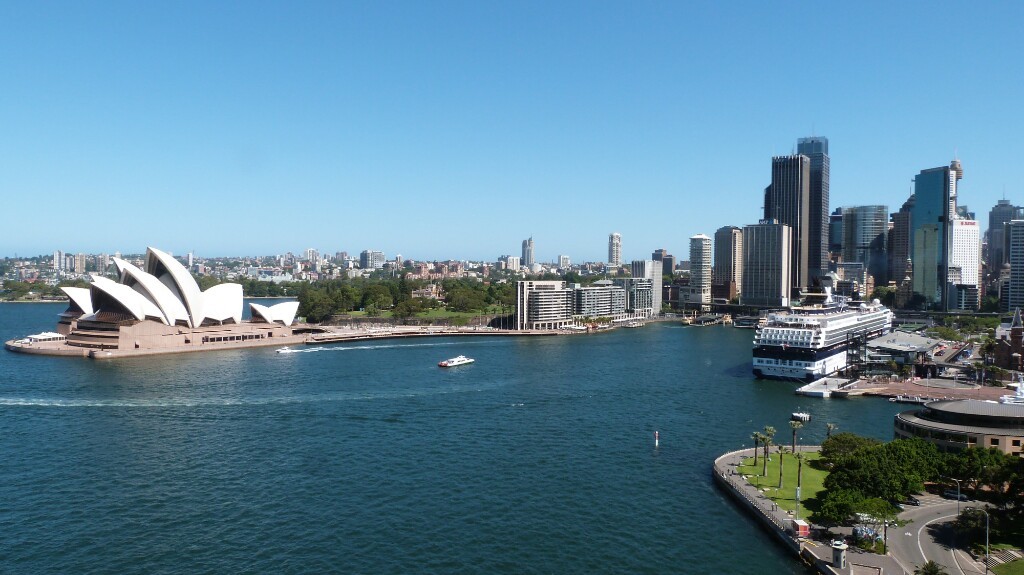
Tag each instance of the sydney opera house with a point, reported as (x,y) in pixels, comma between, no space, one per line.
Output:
(158,310)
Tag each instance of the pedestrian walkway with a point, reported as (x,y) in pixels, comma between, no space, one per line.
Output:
(780,522)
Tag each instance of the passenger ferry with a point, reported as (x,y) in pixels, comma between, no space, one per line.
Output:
(458,360)
(809,341)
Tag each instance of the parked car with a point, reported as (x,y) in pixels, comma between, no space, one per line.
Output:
(911,500)
(952,494)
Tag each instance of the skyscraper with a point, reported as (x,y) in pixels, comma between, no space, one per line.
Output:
(898,248)
(788,201)
(727,280)
(699,291)
(766,260)
(864,234)
(998,216)
(964,275)
(528,252)
(1015,295)
(614,249)
(817,249)
(934,209)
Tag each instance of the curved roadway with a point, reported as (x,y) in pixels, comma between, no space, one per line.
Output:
(928,535)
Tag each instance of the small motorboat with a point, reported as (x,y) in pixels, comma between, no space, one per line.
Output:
(455,361)
(800,416)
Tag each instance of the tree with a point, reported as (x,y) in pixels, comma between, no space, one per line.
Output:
(782,452)
(795,425)
(837,506)
(842,445)
(766,440)
(930,568)
(756,436)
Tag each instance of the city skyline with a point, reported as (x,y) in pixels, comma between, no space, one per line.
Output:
(336,121)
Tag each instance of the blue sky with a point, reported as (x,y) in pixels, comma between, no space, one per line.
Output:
(457,129)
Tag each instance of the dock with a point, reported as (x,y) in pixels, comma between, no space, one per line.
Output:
(824,387)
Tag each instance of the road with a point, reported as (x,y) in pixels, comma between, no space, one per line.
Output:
(928,535)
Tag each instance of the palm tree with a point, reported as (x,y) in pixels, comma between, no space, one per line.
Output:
(795,425)
(829,428)
(930,568)
(756,436)
(782,451)
(766,440)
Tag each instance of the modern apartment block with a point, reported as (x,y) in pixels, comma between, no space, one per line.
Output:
(699,291)
(1015,294)
(614,249)
(651,270)
(766,264)
(528,252)
(727,278)
(544,304)
(371,260)
(600,299)
(639,296)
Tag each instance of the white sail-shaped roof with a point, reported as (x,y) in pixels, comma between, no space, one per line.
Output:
(179,280)
(222,302)
(172,307)
(81,298)
(283,312)
(132,301)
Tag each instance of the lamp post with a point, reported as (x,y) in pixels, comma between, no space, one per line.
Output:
(957,493)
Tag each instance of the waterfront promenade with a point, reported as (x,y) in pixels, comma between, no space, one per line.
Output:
(778,522)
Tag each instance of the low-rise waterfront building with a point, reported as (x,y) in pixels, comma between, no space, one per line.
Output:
(959,424)
(543,304)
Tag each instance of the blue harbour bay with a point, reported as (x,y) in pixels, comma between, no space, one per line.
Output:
(368,458)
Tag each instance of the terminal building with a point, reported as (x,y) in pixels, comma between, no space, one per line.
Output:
(959,424)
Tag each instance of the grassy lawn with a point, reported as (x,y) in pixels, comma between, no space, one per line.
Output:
(1011,568)
(811,482)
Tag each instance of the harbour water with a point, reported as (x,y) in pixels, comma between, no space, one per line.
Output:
(368,458)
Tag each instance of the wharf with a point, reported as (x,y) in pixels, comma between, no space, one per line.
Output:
(336,334)
(778,522)
(919,390)
(824,387)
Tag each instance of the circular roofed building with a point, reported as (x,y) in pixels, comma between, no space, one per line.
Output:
(958,424)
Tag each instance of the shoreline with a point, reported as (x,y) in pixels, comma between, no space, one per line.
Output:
(813,554)
(61,349)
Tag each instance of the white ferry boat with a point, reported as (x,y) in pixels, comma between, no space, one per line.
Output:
(459,360)
(809,341)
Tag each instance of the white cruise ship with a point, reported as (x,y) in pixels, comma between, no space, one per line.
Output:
(809,341)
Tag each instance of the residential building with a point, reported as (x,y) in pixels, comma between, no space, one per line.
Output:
(528,252)
(371,260)
(614,249)
(816,149)
(639,295)
(699,291)
(58,260)
(564,263)
(727,277)
(651,270)
(787,200)
(766,264)
(546,304)
(600,299)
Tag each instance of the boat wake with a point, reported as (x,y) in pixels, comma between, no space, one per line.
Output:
(363,347)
